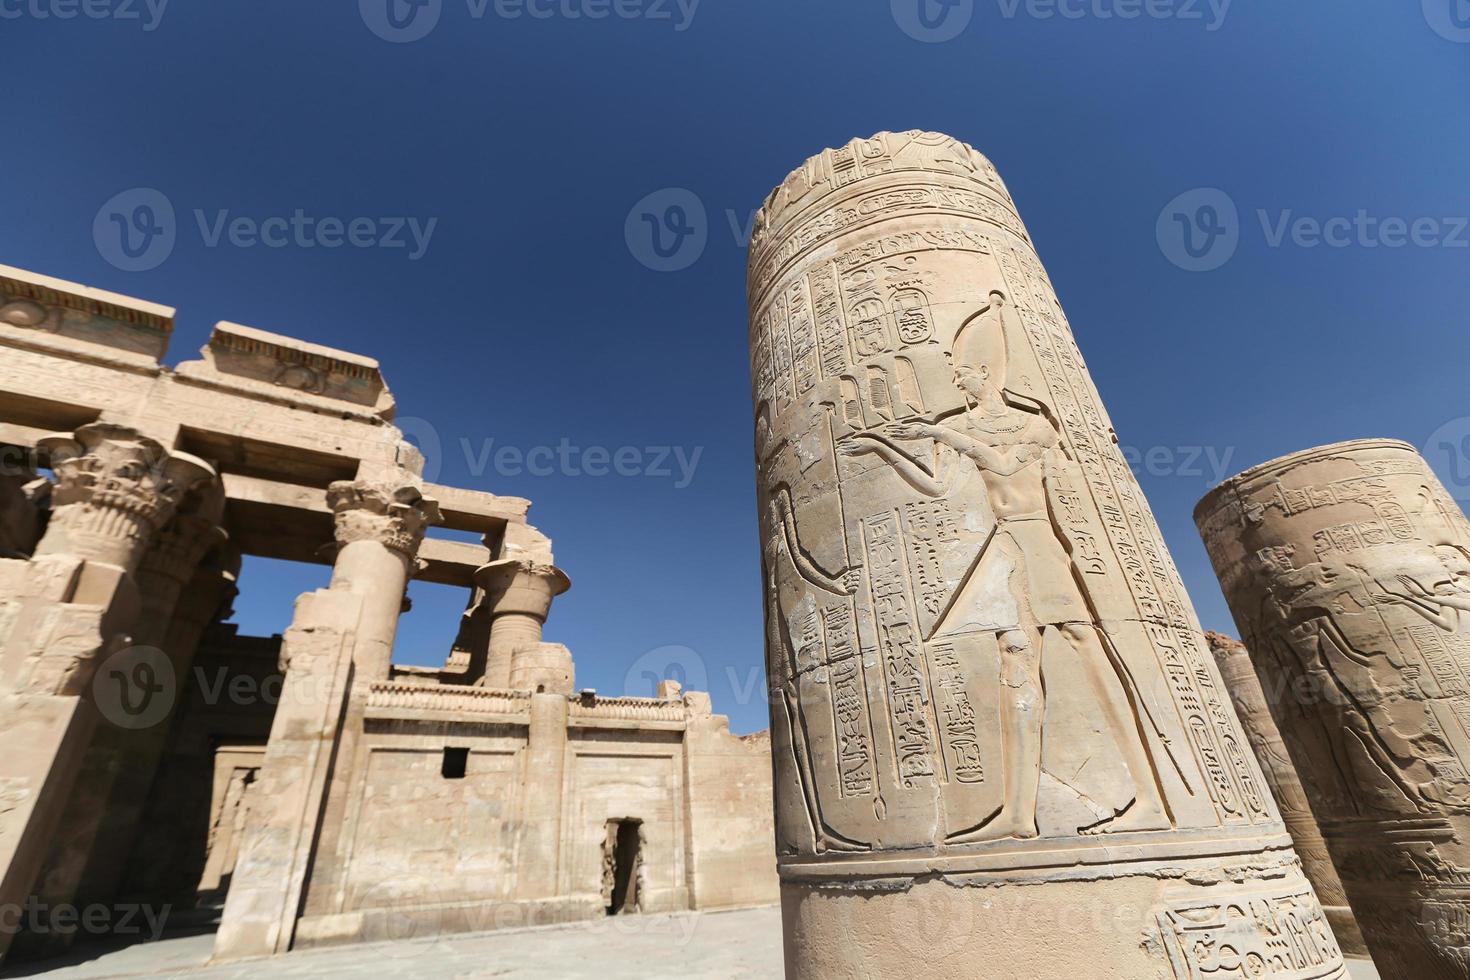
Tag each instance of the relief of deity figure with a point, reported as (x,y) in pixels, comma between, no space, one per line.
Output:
(1023,586)
(1444,604)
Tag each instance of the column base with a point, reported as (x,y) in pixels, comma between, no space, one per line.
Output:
(1130,928)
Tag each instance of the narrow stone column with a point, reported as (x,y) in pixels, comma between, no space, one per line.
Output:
(340,640)
(518,592)
(65,611)
(1347,569)
(543,768)
(379,530)
(1001,745)
(1255,717)
(21,491)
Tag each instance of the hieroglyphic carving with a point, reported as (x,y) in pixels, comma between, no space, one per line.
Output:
(1280,936)
(1349,579)
(1033,678)
(1253,707)
(885,291)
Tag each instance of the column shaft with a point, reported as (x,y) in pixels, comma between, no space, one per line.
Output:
(1001,746)
(1347,568)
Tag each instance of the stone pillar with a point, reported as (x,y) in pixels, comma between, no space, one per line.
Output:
(1001,746)
(379,529)
(340,640)
(1347,569)
(518,592)
(1271,752)
(118,766)
(543,769)
(64,612)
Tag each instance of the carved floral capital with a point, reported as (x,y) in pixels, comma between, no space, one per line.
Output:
(115,490)
(394,515)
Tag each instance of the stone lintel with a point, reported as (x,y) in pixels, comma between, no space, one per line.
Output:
(35,303)
(271,519)
(273,366)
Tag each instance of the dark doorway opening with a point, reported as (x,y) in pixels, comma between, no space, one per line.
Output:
(456,761)
(622,866)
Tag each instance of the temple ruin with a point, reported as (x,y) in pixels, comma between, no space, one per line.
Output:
(369,799)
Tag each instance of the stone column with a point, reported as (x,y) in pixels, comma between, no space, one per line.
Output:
(65,611)
(1271,752)
(518,592)
(117,768)
(340,640)
(1347,569)
(379,529)
(1001,745)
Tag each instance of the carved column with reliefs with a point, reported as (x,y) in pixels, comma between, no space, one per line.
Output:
(1347,568)
(340,641)
(518,592)
(1001,745)
(1253,706)
(67,610)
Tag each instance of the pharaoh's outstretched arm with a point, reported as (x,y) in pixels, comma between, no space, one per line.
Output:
(912,471)
(1430,608)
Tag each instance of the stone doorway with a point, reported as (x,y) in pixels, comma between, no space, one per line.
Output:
(622,866)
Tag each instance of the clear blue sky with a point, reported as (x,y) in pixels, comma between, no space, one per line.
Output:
(529,319)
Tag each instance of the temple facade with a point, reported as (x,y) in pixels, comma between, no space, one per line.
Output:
(304,789)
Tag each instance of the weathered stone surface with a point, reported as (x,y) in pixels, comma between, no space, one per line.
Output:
(994,714)
(305,790)
(1255,717)
(1347,568)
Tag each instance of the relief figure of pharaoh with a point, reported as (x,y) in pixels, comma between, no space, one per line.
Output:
(1023,586)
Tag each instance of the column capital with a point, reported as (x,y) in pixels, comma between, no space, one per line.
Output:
(115,489)
(521,585)
(396,515)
